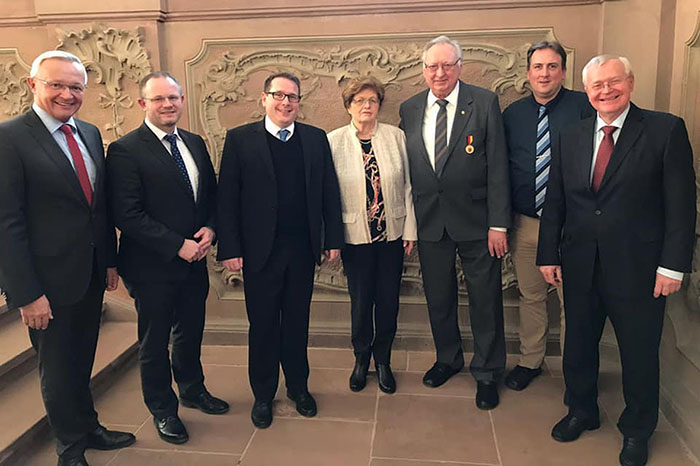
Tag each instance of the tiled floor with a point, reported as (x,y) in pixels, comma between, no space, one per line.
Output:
(416,426)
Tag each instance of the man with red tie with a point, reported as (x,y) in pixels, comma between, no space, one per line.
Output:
(617,230)
(58,247)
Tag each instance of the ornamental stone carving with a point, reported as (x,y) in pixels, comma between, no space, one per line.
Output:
(225,80)
(15,95)
(112,54)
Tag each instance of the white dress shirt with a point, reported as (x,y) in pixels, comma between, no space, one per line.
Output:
(430,118)
(274,130)
(190,165)
(598,136)
(54,127)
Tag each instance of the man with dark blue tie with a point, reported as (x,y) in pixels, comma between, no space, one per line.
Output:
(163,198)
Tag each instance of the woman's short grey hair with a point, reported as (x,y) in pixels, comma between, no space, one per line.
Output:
(600,60)
(442,40)
(56,54)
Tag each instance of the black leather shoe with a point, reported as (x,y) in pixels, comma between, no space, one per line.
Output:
(520,377)
(171,429)
(306,405)
(261,414)
(439,374)
(103,439)
(206,403)
(486,395)
(358,378)
(571,427)
(387,383)
(634,452)
(73,461)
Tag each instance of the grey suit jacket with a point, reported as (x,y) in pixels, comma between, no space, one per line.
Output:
(468,193)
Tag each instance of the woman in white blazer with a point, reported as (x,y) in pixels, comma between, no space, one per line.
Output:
(380,225)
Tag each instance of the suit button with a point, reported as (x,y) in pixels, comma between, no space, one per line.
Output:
(597,212)
(440,191)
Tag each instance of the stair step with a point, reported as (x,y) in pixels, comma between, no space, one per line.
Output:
(22,412)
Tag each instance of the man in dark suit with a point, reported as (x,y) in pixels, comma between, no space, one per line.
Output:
(58,247)
(618,231)
(459,172)
(163,197)
(278,195)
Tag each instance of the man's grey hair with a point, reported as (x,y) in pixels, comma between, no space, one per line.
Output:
(443,40)
(600,60)
(60,54)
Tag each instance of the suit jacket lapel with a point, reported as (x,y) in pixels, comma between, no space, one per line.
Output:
(161,154)
(262,148)
(583,156)
(54,152)
(462,115)
(417,127)
(96,154)
(306,151)
(629,133)
(198,159)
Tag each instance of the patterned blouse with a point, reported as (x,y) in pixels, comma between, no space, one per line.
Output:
(375,201)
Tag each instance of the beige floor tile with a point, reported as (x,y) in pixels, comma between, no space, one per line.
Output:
(433,428)
(333,397)
(310,442)
(420,360)
(226,433)
(137,457)
(523,423)
(225,355)
(128,408)
(553,366)
(331,358)
(393,462)
(665,449)
(461,384)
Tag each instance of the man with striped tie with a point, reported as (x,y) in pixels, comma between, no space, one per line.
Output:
(459,172)
(532,126)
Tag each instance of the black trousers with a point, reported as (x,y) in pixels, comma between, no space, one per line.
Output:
(638,323)
(165,307)
(66,351)
(374,281)
(278,298)
(482,274)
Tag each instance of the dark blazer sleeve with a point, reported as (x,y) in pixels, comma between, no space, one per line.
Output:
(331,208)
(20,280)
(207,175)
(679,200)
(553,214)
(498,184)
(229,201)
(125,193)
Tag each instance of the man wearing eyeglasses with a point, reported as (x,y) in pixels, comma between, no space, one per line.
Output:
(459,172)
(279,207)
(163,197)
(618,231)
(58,247)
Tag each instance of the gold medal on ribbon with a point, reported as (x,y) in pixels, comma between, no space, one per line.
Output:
(470,148)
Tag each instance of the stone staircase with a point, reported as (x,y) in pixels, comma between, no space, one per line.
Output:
(22,414)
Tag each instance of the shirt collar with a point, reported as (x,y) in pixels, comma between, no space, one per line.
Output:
(452,98)
(160,134)
(50,122)
(617,122)
(274,130)
(552,103)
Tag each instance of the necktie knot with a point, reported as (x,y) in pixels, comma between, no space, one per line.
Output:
(171,138)
(284,134)
(609,130)
(67,129)
(542,111)
(442,103)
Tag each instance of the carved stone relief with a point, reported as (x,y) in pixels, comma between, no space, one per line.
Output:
(112,54)
(225,80)
(15,96)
